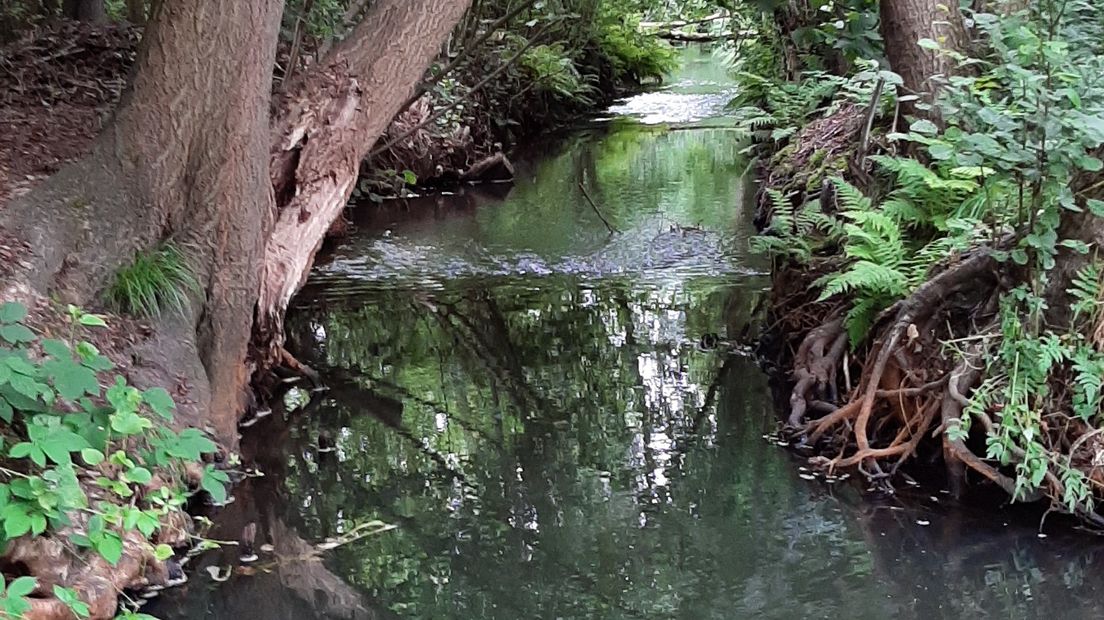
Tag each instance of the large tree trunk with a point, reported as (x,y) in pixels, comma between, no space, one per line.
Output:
(91,11)
(136,11)
(329,120)
(185,158)
(904,24)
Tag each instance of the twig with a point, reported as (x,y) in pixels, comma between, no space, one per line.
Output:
(868,125)
(594,206)
(474,89)
(464,52)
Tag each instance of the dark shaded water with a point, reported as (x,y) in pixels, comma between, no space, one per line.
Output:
(531,403)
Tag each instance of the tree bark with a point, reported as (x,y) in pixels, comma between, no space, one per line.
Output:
(91,11)
(904,23)
(327,123)
(136,11)
(184,159)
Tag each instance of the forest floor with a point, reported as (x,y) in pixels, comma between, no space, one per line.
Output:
(56,88)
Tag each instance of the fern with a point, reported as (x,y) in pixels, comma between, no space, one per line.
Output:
(1086,290)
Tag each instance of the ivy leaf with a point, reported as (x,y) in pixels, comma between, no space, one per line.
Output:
(7,414)
(929,44)
(139,475)
(1096,207)
(129,423)
(159,400)
(941,151)
(12,312)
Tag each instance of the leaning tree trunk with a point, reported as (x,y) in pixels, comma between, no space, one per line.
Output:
(904,24)
(327,123)
(92,11)
(184,159)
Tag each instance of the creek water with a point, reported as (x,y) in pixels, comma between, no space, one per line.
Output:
(560,422)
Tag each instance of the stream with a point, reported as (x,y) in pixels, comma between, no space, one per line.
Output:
(560,422)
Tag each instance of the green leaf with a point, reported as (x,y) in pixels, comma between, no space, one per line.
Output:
(16,334)
(929,44)
(1096,207)
(409,177)
(941,151)
(1077,246)
(159,400)
(22,586)
(56,348)
(925,127)
(16,521)
(92,320)
(92,456)
(71,379)
(110,546)
(72,601)
(162,552)
(214,482)
(7,414)
(139,475)
(12,312)
(129,423)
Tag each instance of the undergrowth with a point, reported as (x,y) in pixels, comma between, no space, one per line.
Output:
(88,457)
(1009,173)
(155,282)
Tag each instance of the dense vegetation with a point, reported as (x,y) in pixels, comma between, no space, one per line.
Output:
(932,203)
(951,242)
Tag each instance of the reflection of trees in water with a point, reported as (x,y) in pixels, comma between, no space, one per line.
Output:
(967,565)
(570,415)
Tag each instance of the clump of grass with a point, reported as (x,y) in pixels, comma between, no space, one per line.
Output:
(156,281)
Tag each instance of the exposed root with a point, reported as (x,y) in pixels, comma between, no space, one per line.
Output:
(815,367)
(897,403)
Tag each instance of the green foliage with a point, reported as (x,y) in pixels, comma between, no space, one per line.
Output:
(13,596)
(68,427)
(552,71)
(155,282)
(633,55)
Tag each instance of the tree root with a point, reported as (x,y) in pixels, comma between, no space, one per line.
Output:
(815,366)
(894,407)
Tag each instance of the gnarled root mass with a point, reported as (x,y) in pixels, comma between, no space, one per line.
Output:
(881,423)
(911,394)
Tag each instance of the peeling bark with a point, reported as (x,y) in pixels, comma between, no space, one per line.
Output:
(330,119)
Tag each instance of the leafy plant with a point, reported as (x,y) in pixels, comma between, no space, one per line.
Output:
(155,282)
(70,427)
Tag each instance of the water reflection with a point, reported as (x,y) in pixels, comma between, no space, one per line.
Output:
(562,424)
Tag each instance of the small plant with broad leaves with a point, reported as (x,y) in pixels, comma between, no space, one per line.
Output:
(68,422)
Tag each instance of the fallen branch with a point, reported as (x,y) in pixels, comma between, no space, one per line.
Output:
(594,206)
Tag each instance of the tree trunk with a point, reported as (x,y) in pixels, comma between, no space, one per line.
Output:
(91,11)
(904,24)
(184,159)
(136,11)
(329,120)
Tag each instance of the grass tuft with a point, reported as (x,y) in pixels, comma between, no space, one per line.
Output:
(155,282)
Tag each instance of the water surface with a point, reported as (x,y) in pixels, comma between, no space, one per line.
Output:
(562,423)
